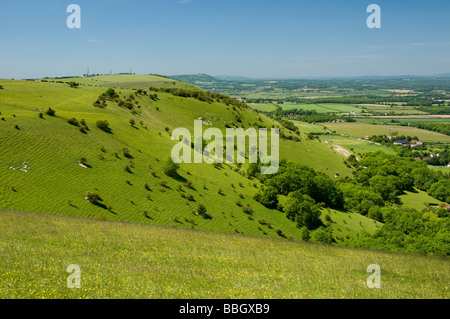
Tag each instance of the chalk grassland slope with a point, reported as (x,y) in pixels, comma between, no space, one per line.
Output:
(124,260)
(359,129)
(40,170)
(130,81)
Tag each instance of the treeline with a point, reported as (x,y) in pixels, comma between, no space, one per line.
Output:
(203,96)
(443,128)
(378,181)
(436,110)
(409,231)
(366,99)
(310,116)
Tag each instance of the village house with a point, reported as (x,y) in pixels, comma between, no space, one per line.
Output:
(401,142)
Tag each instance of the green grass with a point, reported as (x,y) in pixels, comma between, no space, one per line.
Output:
(354,145)
(306,128)
(346,224)
(55,183)
(360,130)
(125,260)
(418,200)
(441,169)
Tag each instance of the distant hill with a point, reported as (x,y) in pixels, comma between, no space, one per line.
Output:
(129,81)
(195,78)
(233,78)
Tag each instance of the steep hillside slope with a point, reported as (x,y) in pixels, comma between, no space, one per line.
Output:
(41,156)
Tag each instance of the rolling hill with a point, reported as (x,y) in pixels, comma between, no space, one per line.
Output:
(42,159)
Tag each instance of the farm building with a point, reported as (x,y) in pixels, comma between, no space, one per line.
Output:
(401,142)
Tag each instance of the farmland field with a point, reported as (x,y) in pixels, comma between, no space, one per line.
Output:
(359,129)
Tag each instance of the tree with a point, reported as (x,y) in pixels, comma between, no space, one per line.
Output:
(269,197)
(132,122)
(110,93)
(322,235)
(94,197)
(170,168)
(50,112)
(441,190)
(303,210)
(104,126)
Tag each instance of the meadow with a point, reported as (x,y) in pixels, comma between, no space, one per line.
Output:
(126,260)
(354,145)
(360,130)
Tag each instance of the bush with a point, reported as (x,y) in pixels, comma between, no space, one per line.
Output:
(201,211)
(94,197)
(73,121)
(322,235)
(110,94)
(247,209)
(50,112)
(170,168)
(104,126)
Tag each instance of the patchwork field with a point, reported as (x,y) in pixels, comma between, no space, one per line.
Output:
(360,130)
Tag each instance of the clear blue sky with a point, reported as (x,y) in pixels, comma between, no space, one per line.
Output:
(271,39)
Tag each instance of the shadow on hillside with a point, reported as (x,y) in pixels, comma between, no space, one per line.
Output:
(178,178)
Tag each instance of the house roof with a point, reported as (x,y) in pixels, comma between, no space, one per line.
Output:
(402,142)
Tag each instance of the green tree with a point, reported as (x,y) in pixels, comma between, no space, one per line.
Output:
(303,210)
(170,168)
(441,190)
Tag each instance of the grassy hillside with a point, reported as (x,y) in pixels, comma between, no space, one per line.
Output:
(130,81)
(359,129)
(124,260)
(40,170)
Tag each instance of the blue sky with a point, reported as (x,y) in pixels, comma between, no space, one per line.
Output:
(261,39)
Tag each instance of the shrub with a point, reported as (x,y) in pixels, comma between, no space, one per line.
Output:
(280,233)
(128,169)
(189,185)
(322,235)
(170,168)
(104,126)
(201,211)
(94,197)
(110,94)
(73,84)
(132,122)
(126,153)
(41,115)
(247,209)
(73,121)
(50,112)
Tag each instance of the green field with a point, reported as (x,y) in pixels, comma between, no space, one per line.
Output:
(307,128)
(145,238)
(418,200)
(319,108)
(354,145)
(124,260)
(55,183)
(360,130)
